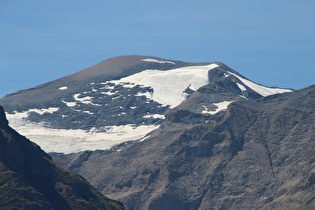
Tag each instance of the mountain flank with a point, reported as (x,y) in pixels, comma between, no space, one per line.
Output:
(259,154)
(122,99)
(29,179)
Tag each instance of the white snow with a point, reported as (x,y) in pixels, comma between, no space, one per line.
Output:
(42,111)
(168,86)
(71,141)
(241,87)
(146,94)
(220,107)
(116,97)
(128,85)
(145,138)
(63,88)
(19,118)
(70,104)
(84,100)
(110,93)
(87,112)
(156,61)
(154,116)
(262,90)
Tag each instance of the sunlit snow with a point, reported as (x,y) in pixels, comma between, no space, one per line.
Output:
(71,141)
(169,86)
(220,107)
(241,87)
(42,111)
(84,100)
(63,88)
(157,61)
(154,116)
(262,90)
(70,104)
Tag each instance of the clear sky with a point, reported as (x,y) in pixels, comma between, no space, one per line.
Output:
(271,42)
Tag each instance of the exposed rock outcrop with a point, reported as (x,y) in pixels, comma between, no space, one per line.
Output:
(258,155)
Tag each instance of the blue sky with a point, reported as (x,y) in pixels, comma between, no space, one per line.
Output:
(269,42)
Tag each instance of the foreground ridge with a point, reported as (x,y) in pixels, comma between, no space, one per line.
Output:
(29,179)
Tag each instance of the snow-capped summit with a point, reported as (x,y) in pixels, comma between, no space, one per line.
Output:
(123,99)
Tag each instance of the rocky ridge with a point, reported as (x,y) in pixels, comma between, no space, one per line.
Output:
(259,154)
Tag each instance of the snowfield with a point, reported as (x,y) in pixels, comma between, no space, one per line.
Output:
(169,86)
(71,141)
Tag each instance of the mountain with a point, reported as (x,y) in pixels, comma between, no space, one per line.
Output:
(29,179)
(163,134)
(122,99)
(258,154)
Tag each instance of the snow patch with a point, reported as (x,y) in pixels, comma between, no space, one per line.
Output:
(19,118)
(63,88)
(146,94)
(145,138)
(220,107)
(241,87)
(157,61)
(43,111)
(109,93)
(87,112)
(160,116)
(168,86)
(70,104)
(262,90)
(71,141)
(128,85)
(84,100)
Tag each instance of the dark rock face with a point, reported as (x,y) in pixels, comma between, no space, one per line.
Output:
(30,180)
(257,155)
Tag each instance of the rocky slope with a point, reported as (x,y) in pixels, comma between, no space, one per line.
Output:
(30,180)
(259,154)
(122,99)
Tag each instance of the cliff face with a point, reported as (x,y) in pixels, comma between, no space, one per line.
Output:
(258,155)
(29,179)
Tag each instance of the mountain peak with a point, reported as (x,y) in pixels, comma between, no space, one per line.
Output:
(127,64)
(122,99)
